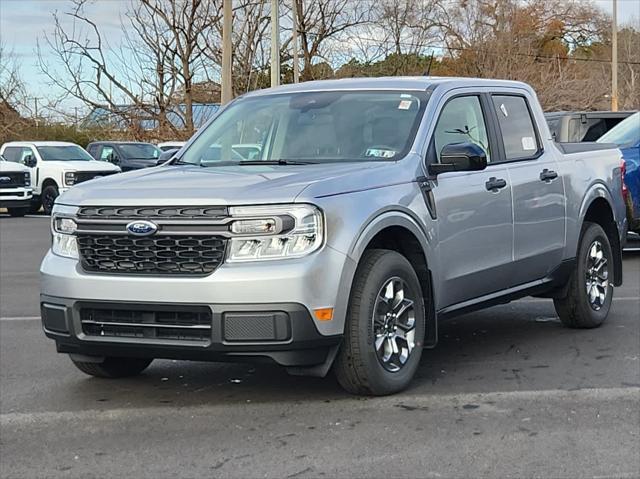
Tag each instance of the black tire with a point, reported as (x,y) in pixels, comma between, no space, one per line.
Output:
(576,309)
(49,195)
(17,212)
(113,367)
(358,368)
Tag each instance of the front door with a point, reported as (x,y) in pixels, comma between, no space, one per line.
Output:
(474,210)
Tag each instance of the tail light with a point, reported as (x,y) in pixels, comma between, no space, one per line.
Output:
(623,171)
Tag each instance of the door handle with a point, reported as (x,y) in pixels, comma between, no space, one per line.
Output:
(548,175)
(494,184)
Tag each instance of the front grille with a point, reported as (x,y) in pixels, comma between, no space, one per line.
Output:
(190,240)
(147,212)
(11,180)
(90,175)
(158,254)
(149,322)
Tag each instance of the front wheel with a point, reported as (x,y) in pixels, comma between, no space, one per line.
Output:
(385,327)
(113,367)
(49,195)
(590,292)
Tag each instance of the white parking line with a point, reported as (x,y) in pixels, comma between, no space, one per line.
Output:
(20,318)
(532,300)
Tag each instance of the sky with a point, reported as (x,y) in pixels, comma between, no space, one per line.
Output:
(24,23)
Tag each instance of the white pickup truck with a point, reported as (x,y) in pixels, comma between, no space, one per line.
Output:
(55,166)
(15,188)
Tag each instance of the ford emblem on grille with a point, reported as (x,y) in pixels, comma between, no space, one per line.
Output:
(5,179)
(142,228)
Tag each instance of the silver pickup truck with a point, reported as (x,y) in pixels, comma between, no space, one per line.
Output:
(367,211)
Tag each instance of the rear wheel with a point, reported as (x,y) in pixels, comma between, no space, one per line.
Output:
(113,367)
(49,195)
(590,292)
(385,327)
(18,212)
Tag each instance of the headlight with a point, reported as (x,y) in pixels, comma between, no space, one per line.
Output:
(275,232)
(63,231)
(70,178)
(27,179)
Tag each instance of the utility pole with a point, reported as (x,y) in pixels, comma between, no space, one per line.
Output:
(35,101)
(275,44)
(614,58)
(227,21)
(294,41)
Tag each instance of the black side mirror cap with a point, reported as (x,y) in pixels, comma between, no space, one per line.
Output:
(30,161)
(460,157)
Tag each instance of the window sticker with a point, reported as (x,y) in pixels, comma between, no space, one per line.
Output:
(404,105)
(528,143)
(379,153)
(503,109)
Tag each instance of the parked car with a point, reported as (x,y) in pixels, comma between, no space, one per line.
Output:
(166,155)
(626,135)
(375,209)
(15,187)
(127,155)
(171,145)
(579,126)
(55,167)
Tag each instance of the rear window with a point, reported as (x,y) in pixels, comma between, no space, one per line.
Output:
(518,133)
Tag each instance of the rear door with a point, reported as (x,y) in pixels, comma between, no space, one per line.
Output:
(474,217)
(537,189)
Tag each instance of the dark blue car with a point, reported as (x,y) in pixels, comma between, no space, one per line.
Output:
(627,136)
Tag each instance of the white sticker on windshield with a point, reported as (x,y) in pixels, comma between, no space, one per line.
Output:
(528,143)
(503,109)
(404,105)
(379,153)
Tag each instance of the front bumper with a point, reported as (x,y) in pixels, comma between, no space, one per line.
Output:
(15,197)
(295,287)
(237,333)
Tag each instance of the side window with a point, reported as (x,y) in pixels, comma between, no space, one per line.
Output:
(13,153)
(596,127)
(461,120)
(105,154)
(516,124)
(26,153)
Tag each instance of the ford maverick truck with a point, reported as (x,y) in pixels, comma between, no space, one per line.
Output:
(364,212)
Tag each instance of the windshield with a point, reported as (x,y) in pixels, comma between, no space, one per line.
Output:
(140,151)
(63,153)
(624,134)
(311,127)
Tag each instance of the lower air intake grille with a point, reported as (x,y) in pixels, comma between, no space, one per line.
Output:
(158,254)
(148,322)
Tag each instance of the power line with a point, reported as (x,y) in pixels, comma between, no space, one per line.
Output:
(490,52)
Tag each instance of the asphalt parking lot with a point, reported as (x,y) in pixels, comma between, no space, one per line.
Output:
(507,393)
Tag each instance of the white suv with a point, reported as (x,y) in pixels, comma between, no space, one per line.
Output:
(15,188)
(55,166)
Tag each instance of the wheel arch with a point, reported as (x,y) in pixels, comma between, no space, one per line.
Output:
(400,232)
(48,182)
(598,209)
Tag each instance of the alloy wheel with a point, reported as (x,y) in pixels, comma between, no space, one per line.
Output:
(394,325)
(596,276)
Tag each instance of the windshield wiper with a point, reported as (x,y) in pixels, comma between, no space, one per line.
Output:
(275,162)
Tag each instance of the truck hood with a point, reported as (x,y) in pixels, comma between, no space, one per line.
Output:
(233,185)
(11,167)
(93,165)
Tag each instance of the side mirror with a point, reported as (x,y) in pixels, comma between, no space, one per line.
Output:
(30,161)
(113,159)
(460,157)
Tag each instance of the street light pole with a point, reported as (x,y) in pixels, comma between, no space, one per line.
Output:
(227,21)
(275,44)
(294,41)
(614,58)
